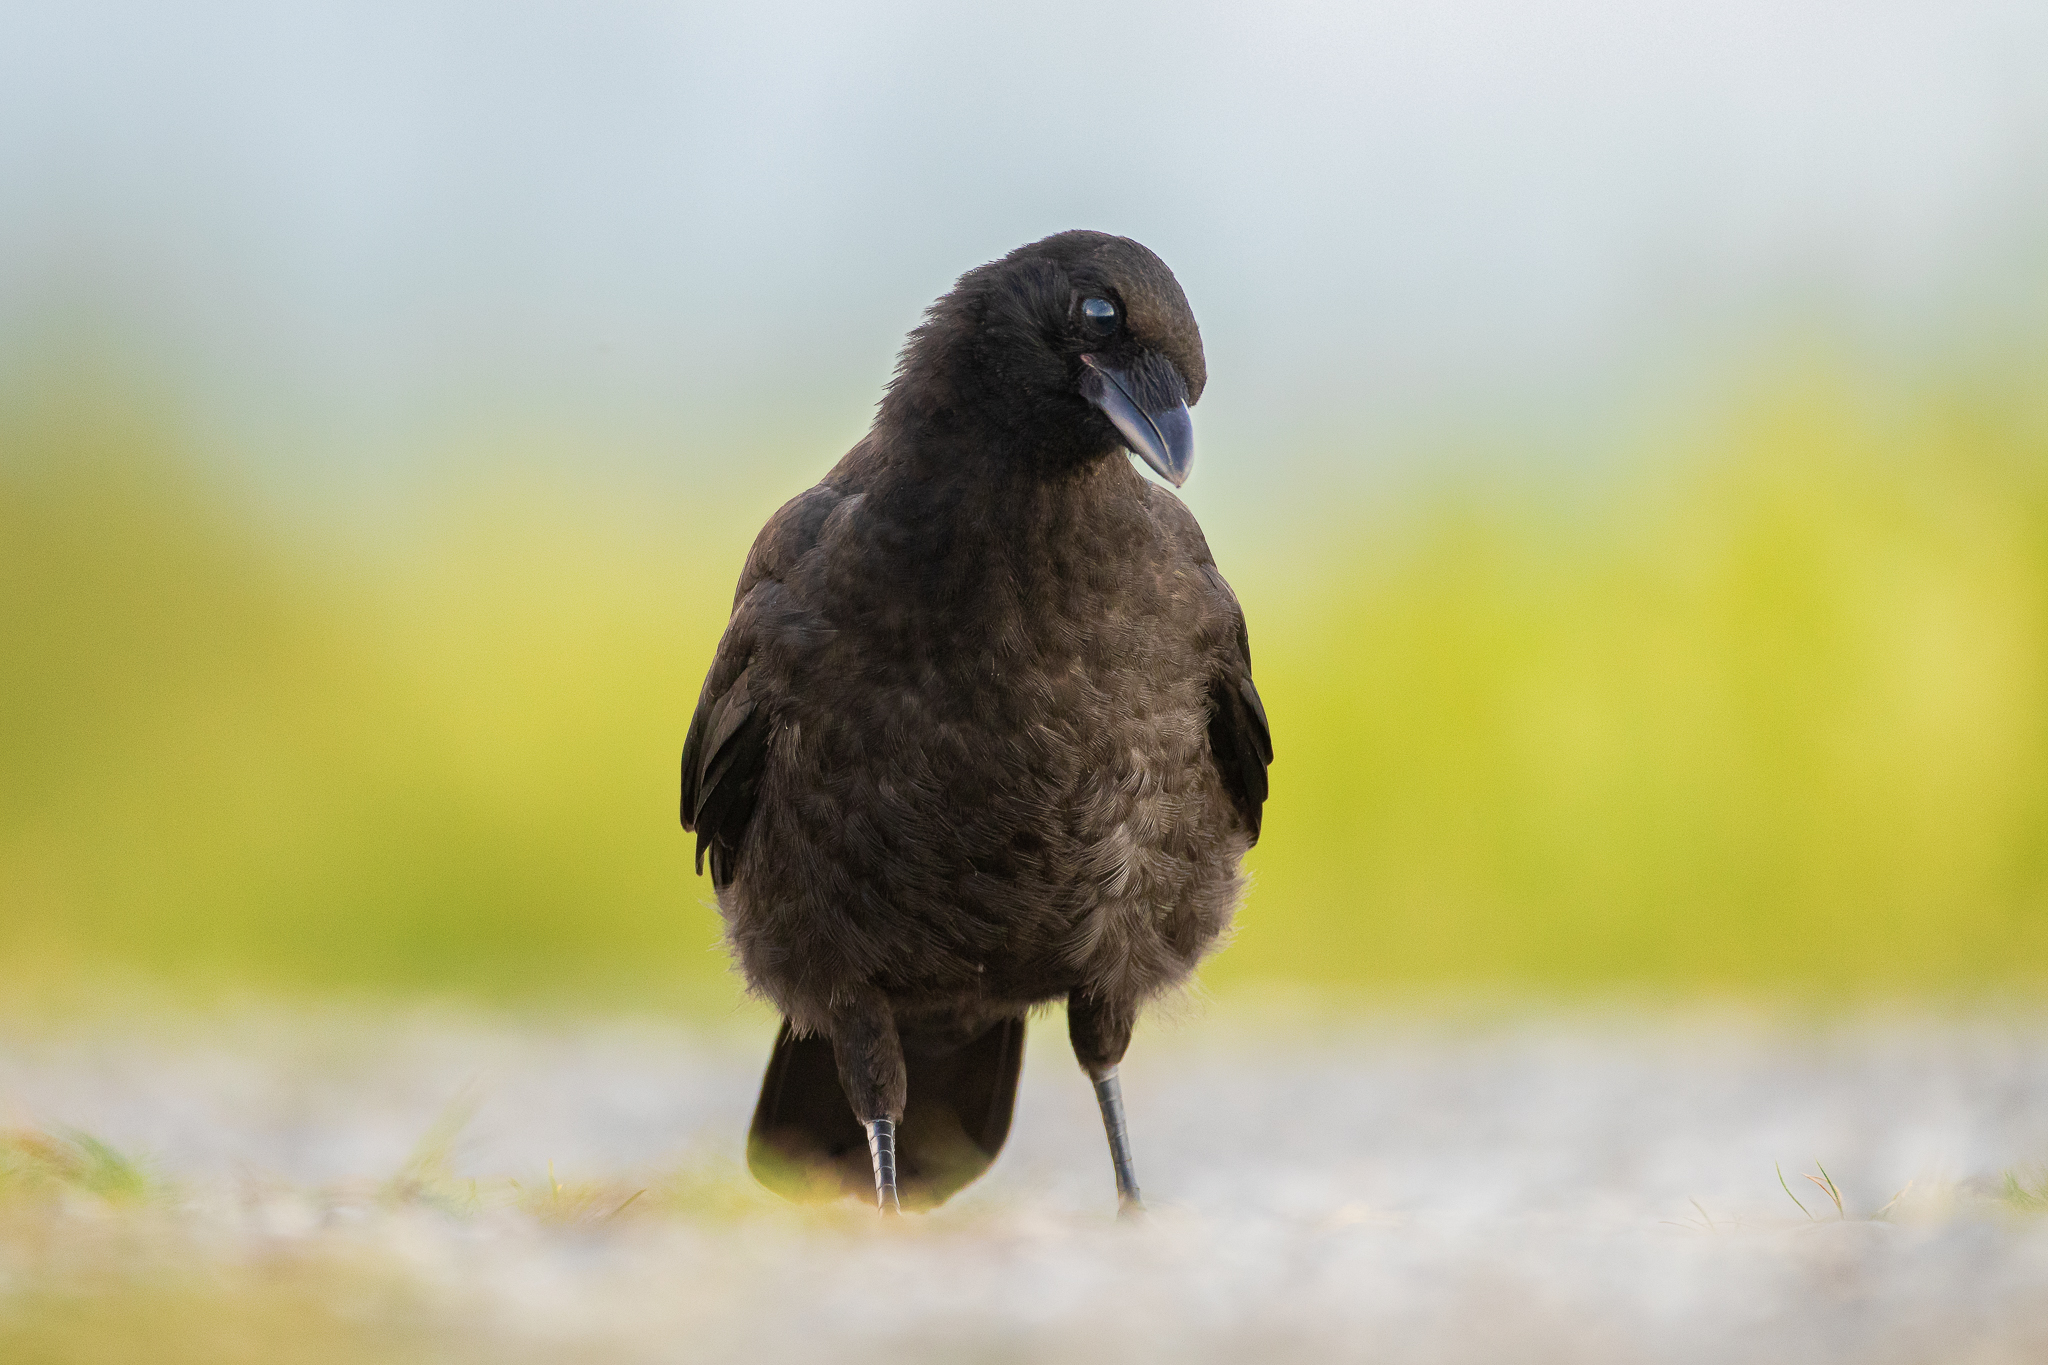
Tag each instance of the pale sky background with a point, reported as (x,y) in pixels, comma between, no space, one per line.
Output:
(352,234)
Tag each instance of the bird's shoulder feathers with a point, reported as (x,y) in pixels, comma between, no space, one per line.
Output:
(726,750)
(1240,738)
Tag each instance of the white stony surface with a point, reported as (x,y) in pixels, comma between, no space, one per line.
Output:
(1527,1187)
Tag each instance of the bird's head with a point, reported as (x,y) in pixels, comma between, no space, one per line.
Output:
(1072,346)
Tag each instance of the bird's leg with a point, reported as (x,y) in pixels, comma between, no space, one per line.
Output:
(1110,1095)
(1101,1032)
(871,1071)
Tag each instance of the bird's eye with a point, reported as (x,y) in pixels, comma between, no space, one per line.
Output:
(1098,316)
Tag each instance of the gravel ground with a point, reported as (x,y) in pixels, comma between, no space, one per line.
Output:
(1577,1188)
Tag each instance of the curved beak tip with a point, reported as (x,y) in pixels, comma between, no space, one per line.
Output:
(1176,457)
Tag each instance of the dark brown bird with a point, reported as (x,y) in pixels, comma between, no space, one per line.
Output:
(981,733)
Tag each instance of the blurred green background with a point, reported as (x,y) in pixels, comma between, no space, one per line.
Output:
(1644,599)
(1772,717)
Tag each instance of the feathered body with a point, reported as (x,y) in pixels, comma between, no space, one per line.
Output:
(981,732)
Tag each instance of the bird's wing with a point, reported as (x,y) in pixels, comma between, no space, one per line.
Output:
(726,751)
(1240,740)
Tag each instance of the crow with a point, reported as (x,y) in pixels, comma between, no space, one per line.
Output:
(981,732)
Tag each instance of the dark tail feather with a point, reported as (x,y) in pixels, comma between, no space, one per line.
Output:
(806,1144)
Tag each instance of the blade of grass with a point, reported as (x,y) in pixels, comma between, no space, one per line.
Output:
(1826,1184)
(1791,1196)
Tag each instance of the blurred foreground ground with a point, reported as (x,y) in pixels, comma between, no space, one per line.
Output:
(325,1186)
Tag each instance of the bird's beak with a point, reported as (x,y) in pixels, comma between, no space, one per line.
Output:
(1148,405)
